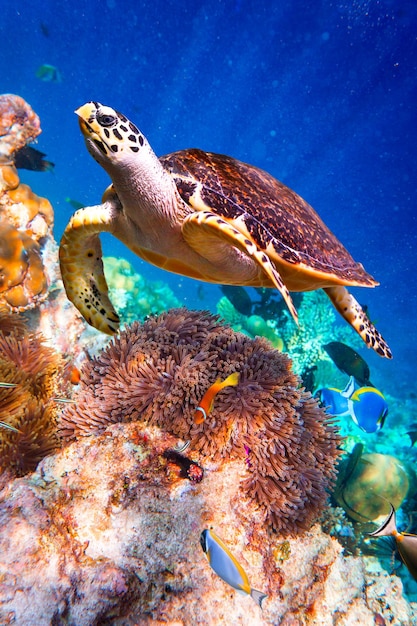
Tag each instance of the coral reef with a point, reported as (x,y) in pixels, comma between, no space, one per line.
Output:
(257,326)
(110,524)
(304,344)
(19,125)
(23,281)
(113,535)
(375,481)
(26,219)
(133,296)
(29,212)
(251,325)
(317,327)
(39,374)
(158,372)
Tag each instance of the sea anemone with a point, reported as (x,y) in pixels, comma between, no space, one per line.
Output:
(158,372)
(38,373)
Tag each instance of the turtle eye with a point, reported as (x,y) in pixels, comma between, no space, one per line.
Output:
(104,119)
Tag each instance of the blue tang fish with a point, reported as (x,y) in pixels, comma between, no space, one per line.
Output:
(365,405)
(226,566)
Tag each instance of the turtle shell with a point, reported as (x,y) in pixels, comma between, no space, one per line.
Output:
(277,219)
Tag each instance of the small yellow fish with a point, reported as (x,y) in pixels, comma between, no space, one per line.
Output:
(207,402)
(226,566)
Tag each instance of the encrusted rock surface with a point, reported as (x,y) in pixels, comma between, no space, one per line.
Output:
(26,219)
(107,532)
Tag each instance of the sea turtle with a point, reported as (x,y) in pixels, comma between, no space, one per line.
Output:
(203,215)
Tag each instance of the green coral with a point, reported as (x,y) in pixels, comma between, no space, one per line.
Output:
(317,326)
(229,314)
(252,325)
(133,296)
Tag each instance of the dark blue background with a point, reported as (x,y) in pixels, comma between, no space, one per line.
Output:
(321,94)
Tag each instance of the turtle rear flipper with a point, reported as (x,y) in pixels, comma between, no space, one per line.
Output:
(207,216)
(351,310)
(81,262)
(202,228)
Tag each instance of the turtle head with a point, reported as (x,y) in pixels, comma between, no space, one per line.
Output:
(110,137)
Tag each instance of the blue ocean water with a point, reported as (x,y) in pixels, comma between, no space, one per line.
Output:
(322,95)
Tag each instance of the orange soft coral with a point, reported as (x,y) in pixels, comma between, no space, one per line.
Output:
(26,220)
(23,283)
(29,212)
(158,372)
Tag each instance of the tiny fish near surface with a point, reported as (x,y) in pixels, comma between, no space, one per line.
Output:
(207,402)
(49,73)
(226,566)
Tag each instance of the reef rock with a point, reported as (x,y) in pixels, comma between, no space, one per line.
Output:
(26,220)
(106,531)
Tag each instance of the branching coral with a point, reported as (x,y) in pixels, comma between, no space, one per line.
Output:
(38,373)
(26,219)
(158,372)
(317,326)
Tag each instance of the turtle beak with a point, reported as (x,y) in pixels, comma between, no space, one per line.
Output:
(87,111)
(86,115)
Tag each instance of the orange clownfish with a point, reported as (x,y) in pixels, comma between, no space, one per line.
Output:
(75,375)
(207,402)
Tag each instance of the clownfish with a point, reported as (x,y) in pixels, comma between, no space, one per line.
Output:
(365,405)
(225,565)
(75,375)
(406,542)
(207,402)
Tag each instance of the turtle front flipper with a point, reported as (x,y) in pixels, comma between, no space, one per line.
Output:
(353,313)
(203,230)
(80,258)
